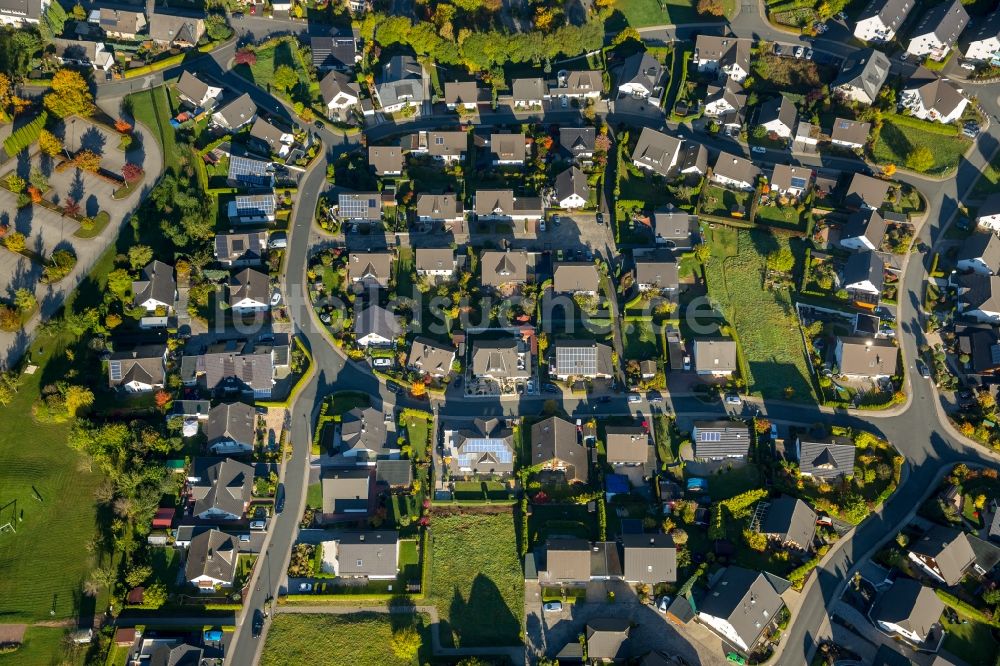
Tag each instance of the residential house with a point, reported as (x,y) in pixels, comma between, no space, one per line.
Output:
(938,30)
(656,152)
(486,447)
(576,278)
(727,98)
(337,52)
(572,189)
(442,208)
(464,95)
(340,95)
(778,116)
(980,253)
(580,359)
(791,181)
(716,357)
(736,172)
(720,440)
(20,13)
(988,213)
(528,93)
(500,360)
(231,366)
(83,53)
(365,435)
(119,23)
(578,84)
(648,558)
(138,370)
(221,490)
(829,458)
(370,269)
(346,492)
(231,428)
(692,159)
(880,20)
(271,138)
(640,77)
(508,149)
(866,192)
(395,474)
(930,97)
(578,142)
(943,553)
(372,554)
(566,562)
(386,160)
(434,261)
(211,562)
(503,268)
(175,31)
(728,55)
(863,74)
(249,292)
(359,207)
(982,345)
(503,206)
(790,522)
(851,134)
(871,358)
(556,447)
(241,249)
(374,326)
(908,609)
(400,84)
(979,297)
(157,290)
(655,270)
(864,230)
(673,225)
(740,606)
(235,115)
(430,358)
(250,173)
(626,445)
(252,209)
(448,147)
(982,40)
(607,640)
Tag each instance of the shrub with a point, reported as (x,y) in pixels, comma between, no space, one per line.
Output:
(25,136)
(59,266)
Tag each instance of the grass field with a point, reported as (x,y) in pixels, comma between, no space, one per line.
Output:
(989,179)
(720,201)
(776,361)
(360,639)
(644,13)
(896,141)
(150,107)
(780,216)
(476,574)
(972,642)
(44,646)
(640,339)
(418,432)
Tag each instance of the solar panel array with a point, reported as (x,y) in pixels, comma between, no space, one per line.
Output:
(355,206)
(710,436)
(255,204)
(798,182)
(248,170)
(473,449)
(115,369)
(578,360)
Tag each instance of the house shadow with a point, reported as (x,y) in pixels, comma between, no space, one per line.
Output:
(485,605)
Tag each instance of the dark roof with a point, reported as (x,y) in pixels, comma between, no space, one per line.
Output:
(336,52)
(225,486)
(231,422)
(867,356)
(607,638)
(640,68)
(649,558)
(827,459)
(982,245)
(249,284)
(866,190)
(866,69)
(982,344)
(949,548)
(143,364)
(566,560)
(626,444)
(721,439)
(909,605)
(744,598)
(572,181)
(335,83)
(656,267)
(891,12)
(790,520)
(238,112)
(605,560)
(865,266)
(735,167)
(556,439)
(577,140)
(866,223)
(369,553)
(946,21)
(213,554)
(674,224)
(394,472)
(345,490)
(778,108)
(364,430)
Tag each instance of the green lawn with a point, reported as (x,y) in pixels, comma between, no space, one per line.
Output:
(780,216)
(360,639)
(640,339)
(762,318)
(733,482)
(44,646)
(895,142)
(989,179)
(476,579)
(405,272)
(314,495)
(720,201)
(644,13)
(152,108)
(269,59)
(972,642)
(418,432)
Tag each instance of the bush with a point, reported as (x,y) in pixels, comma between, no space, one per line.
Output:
(25,136)
(59,266)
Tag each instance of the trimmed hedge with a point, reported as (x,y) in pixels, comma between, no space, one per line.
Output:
(965,608)
(25,135)
(924,125)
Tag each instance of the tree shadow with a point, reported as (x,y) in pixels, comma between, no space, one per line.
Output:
(466,625)
(92,206)
(93,140)
(77,188)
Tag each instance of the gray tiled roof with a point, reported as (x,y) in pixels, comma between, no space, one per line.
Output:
(158,284)
(555,438)
(226,486)
(649,558)
(946,21)
(866,69)
(571,277)
(212,554)
(790,520)
(865,223)
(713,439)
(231,422)
(345,490)
(250,284)
(238,112)
(370,553)
(827,459)
(949,548)
(744,598)
(909,605)
(566,560)
(867,356)
(626,444)
(607,639)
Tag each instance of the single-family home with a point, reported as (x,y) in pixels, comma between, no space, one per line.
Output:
(789,522)
(741,606)
(464,95)
(430,358)
(270,138)
(656,152)
(988,213)
(175,31)
(655,270)
(400,84)
(577,277)
(221,490)
(501,360)
(249,292)
(486,446)
(580,359)
(864,230)
(211,562)
(231,428)
(503,206)
(607,640)
(572,189)
(716,357)
(346,492)
(938,30)
(692,159)
(157,289)
(508,149)
(865,358)
(863,74)
(374,326)
(118,23)
(943,553)
(727,98)
(336,52)
(365,436)
(980,253)
(252,209)
(443,208)
(851,134)
(83,53)
(929,97)
(565,561)
(826,458)
(447,146)
(673,225)
(979,297)
(528,93)
(556,447)
(370,269)
(735,172)
(880,20)
(909,609)
(720,440)
(340,95)
(778,116)
(434,261)
(503,268)
(22,12)
(982,40)
(373,554)
(640,76)
(250,173)
(578,142)
(866,192)
(386,160)
(626,445)
(728,55)
(232,365)
(241,249)
(982,345)
(578,84)
(237,114)
(359,206)
(648,558)
(791,181)
(139,369)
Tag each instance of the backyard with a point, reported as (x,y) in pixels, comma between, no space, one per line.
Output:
(476,574)
(896,141)
(971,641)
(44,646)
(645,13)
(761,317)
(723,202)
(361,639)
(639,338)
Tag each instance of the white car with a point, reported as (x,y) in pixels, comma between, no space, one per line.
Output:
(541,225)
(760,150)
(687,363)
(552,606)
(798,51)
(381,362)
(967,65)
(305,587)
(258,524)
(277,242)
(275,299)
(733,399)
(634,398)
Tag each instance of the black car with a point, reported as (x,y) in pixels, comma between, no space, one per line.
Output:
(394,387)
(600,218)
(279,498)
(258,623)
(550,388)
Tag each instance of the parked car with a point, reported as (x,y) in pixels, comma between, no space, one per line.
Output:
(760,150)
(654,397)
(798,51)
(809,52)
(541,225)
(733,399)
(687,363)
(555,220)
(552,606)
(305,587)
(600,218)
(634,398)
(663,603)
(279,498)
(777,49)
(275,299)
(382,362)
(394,387)
(258,615)
(277,241)
(774,432)
(550,388)
(967,65)
(258,524)
(924,371)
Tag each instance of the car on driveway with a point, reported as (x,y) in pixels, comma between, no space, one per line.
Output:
(924,371)
(654,397)
(760,150)
(394,387)
(600,218)
(275,299)
(305,587)
(552,607)
(634,398)
(798,51)
(733,399)
(550,388)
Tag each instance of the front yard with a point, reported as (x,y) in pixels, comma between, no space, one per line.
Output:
(897,141)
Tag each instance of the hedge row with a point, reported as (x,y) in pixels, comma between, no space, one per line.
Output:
(923,125)
(25,135)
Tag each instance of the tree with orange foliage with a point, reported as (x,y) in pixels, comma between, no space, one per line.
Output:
(889,170)
(35,194)
(87,160)
(123,126)
(161,399)
(418,388)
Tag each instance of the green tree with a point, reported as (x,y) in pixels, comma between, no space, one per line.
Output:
(920,159)
(9,383)
(77,398)
(120,283)
(216,27)
(154,595)
(53,22)
(15,183)
(781,260)
(405,643)
(38,178)
(24,299)
(79,13)
(285,77)
(138,574)
(70,95)
(139,256)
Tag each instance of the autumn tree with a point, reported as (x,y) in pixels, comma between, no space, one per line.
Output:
(889,170)
(405,643)
(245,57)
(77,398)
(920,159)
(24,300)
(14,241)
(113,321)
(6,97)
(132,173)
(87,160)
(70,95)
(49,143)
(139,256)
(161,398)
(285,77)
(71,207)
(712,7)
(781,260)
